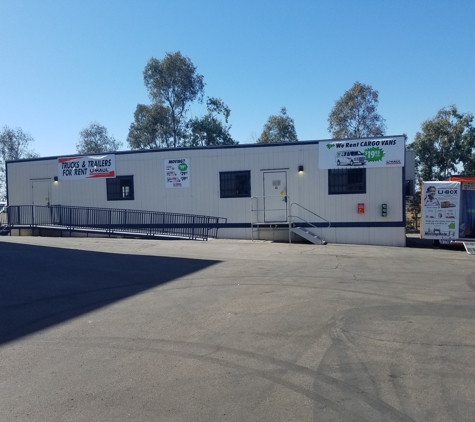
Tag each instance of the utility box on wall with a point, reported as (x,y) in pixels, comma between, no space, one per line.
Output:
(360,208)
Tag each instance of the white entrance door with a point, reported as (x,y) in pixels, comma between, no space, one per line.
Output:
(40,192)
(275,196)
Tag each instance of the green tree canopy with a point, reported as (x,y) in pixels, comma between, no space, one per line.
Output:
(445,142)
(14,145)
(279,128)
(151,128)
(210,130)
(354,114)
(94,139)
(174,83)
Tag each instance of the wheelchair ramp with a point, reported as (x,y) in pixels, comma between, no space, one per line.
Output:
(113,222)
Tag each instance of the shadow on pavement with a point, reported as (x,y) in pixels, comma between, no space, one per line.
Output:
(416,242)
(43,286)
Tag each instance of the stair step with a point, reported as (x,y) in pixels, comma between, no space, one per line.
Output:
(311,237)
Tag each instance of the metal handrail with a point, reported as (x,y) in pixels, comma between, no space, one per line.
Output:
(287,198)
(4,220)
(115,221)
(311,212)
(307,222)
(287,209)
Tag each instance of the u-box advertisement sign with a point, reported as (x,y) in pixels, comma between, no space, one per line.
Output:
(370,153)
(86,167)
(440,210)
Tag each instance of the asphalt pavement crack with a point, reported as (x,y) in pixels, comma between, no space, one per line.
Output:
(342,269)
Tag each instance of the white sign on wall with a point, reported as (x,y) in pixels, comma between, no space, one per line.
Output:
(177,173)
(90,167)
(468,185)
(369,153)
(440,210)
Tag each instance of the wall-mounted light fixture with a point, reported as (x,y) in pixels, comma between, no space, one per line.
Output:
(300,169)
(55,178)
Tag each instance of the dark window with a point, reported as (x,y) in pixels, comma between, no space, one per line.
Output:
(344,181)
(235,184)
(121,188)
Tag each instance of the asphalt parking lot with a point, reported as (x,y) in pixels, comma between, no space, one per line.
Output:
(227,330)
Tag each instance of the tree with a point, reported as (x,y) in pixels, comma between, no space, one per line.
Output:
(95,140)
(445,141)
(151,128)
(174,83)
(413,207)
(354,114)
(209,130)
(14,145)
(279,128)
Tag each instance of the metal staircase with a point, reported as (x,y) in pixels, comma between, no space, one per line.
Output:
(309,235)
(258,217)
(304,228)
(293,223)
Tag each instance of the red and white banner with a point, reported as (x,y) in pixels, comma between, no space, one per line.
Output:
(86,167)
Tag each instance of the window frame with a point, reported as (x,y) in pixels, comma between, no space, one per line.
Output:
(335,188)
(223,190)
(112,196)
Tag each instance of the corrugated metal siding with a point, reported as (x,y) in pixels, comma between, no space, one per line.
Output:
(310,189)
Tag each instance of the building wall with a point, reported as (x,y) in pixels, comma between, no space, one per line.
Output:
(309,189)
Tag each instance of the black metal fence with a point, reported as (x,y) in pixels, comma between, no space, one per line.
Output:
(115,221)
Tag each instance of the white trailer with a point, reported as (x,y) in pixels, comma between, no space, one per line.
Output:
(258,189)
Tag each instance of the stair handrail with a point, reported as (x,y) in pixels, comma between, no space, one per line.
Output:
(257,210)
(311,212)
(303,219)
(287,199)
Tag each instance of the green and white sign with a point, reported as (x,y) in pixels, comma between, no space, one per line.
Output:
(177,173)
(369,153)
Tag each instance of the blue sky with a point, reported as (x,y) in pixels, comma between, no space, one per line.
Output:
(66,63)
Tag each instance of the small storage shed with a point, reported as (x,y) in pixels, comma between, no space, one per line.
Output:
(351,190)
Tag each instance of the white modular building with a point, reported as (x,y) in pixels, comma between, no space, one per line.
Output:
(350,190)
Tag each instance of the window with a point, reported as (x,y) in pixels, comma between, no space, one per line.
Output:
(120,188)
(235,184)
(345,181)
